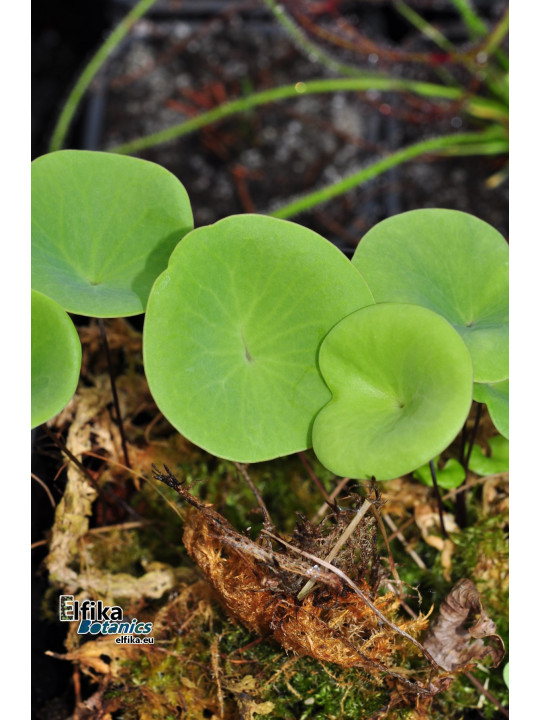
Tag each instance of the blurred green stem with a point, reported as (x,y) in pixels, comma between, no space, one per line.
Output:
(487,142)
(90,71)
(310,49)
(473,105)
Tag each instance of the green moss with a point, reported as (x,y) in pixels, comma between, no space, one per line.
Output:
(127,555)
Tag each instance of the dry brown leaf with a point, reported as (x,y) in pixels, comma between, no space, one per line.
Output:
(403,494)
(69,561)
(249,708)
(495,497)
(90,655)
(456,639)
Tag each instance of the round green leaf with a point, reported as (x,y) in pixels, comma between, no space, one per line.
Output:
(496,397)
(496,462)
(450,476)
(506,674)
(452,263)
(103,228)
(232,332)
(56,358)
(401,382)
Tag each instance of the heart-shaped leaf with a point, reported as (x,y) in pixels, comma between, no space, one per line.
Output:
(103,228)
(452,263)
(56,358)
(496,397)
(232,331)
(401,382)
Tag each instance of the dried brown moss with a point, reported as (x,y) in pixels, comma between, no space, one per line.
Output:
(346,623)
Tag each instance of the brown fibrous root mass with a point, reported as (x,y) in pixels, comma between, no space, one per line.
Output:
(343,620)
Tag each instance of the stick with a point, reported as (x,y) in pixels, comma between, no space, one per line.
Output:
(49,493)
(388,550)
(417,559)
(461,506)
(268,524)
(321,512)
(356,589)
(113,390)
(439,499)
(346,534)
(315,479)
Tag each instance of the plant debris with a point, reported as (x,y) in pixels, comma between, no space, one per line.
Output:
(116,539)
(343,621)
(456,638)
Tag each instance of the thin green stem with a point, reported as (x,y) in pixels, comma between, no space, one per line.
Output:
(443,144)
(474,23)
(442,41)
(310,49)
(475,106)
(431,32)
(90,71)
(495,147)
(498,34)
(424,26)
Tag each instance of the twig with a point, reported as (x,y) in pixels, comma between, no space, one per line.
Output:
(417,559)
(63,448)
(477,481)
(150,426)
(216,673)
(38,543)
(245,647)
(113,390)
(118,526)
(315,479)
(438,496)
(402,602)
(388,550)
(477,417)
(268,524)
(321,512)
(399,529)
(77,690)
(49,493)
(356,589)
(470,676)
(487,693)
(346,534)
(461,505)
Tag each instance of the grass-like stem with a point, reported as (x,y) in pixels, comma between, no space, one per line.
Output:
(90,71)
